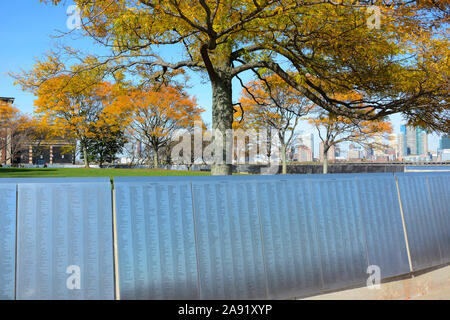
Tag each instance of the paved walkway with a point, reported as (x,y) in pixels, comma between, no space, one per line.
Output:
(433,285)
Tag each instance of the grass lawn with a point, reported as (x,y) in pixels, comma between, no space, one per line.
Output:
(82,172)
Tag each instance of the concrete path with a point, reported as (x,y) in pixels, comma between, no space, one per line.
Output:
(433,285)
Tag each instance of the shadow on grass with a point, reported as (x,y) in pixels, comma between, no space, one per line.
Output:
(12,170)
(27,172)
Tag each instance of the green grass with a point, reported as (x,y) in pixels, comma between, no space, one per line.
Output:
(82,172)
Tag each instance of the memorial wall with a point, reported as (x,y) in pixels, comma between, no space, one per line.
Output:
(65,240)
(155,241)
(229,242)
(425,199)
(382,224)
(7,240)
(240,237)
(439,188)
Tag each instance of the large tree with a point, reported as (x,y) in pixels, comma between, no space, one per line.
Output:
(75,101)
(398,66)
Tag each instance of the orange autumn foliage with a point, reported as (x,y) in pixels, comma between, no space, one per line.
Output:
(158,112)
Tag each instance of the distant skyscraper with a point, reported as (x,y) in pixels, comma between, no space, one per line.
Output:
(394,145)
(379,148)
(401,146)
(422,141)
(444,143)
(415,140)
(306,148)
(368,153)
(354,153)
(337,152)
(304,154)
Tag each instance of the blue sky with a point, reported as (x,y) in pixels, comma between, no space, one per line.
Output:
(27,30)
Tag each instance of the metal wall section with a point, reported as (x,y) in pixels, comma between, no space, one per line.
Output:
(156,241)
(383,225)
(291,246)
(268,236)
(439,185)
(422,223)
(340,231)
(7,240)
(229,245)
(65,234)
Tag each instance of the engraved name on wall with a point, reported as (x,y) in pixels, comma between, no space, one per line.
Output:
(7,240)
(156,241)
(65,247)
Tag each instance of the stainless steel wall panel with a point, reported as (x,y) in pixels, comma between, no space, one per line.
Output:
(440,196)
(229,244)
(7,240)
(291,248)
(383,225)
(427,168)
(156,241)
(340,230)
(420,220)
(65,231)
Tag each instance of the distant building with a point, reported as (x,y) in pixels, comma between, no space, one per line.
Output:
(445,155)
(5,136)
(444,143)
(33,152)
(394,146)
(354,153)
(337,152)
(414,142)
(368,153)
(55,151)
(305,148)
(304,154)
(379,149)
(9,101)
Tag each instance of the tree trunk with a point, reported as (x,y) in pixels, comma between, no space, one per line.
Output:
(325,161)
(86,159)
(155,160)
(283,158)
(222,110)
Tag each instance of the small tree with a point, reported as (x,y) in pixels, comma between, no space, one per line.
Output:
(72,102)
(16,129)
(334,129)
(104,143)
(157,113)
(272,104)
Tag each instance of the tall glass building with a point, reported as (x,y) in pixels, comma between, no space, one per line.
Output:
(444,142)
(415,140)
